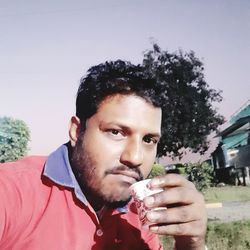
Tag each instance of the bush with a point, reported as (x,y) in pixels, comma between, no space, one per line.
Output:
(14,138)
(157,170)
(201,174)
(181,169)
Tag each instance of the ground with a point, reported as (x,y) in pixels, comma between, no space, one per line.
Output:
(230,211)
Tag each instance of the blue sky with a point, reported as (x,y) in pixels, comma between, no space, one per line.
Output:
(47,46)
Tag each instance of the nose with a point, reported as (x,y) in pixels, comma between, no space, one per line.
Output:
(132,155)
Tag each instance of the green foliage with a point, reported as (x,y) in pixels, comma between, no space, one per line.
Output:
(182,170)
(227,193)
(167,242)
(157,170)
(228,236)
(221,236)
(188,115)
(201,174)
(14,138)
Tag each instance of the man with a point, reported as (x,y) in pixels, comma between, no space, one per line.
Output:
(78,197)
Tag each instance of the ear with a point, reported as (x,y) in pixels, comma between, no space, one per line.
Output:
(74,130)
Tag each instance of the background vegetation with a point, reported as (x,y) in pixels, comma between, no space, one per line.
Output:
(188,115)
(227,193)
(224,235)
(230,235)
(14,138)
(157,170)
(201,174)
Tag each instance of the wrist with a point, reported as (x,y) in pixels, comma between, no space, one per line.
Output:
(184,244)
(204,248)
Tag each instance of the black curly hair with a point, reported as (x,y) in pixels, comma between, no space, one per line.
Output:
(111,78)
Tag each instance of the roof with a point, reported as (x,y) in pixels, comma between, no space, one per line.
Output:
(244,111)
(239,123)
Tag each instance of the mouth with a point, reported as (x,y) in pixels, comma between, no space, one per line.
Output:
(127,176)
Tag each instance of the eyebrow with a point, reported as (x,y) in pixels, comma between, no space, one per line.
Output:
(126,128)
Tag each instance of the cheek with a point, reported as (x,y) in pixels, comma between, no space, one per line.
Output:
(149,160)
(104,152)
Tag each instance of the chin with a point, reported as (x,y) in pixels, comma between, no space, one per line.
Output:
(119,199)
(117,204)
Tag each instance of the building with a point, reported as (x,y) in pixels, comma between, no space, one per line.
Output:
(231,159)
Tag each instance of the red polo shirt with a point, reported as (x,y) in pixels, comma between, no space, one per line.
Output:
(43,208)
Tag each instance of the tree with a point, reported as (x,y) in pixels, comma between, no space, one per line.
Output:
(157,170)
(14,138)
(201,174)
(188,114)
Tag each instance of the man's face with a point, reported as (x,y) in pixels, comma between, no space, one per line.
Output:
(117,148)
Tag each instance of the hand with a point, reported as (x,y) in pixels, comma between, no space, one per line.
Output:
(185,217)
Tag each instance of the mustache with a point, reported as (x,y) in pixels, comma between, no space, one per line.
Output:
(122,168)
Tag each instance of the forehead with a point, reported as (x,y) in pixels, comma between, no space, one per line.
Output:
(130,111)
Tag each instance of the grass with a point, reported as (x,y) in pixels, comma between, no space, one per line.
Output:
(227,193)
(167,242)
(222,236)
(228,236)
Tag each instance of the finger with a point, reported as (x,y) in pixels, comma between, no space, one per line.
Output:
(191,229)
(174,195)
(170,180)
(175,215)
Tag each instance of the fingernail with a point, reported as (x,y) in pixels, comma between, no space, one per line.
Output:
(155,182)
(152,216)
(154,228)
(149,201)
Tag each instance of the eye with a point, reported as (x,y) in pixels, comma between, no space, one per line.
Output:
(150,140)
(115,133)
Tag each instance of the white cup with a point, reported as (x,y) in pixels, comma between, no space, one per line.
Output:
(139,191)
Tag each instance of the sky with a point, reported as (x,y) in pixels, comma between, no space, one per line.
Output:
(47,46)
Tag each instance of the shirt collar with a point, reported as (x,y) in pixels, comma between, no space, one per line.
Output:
(58,169)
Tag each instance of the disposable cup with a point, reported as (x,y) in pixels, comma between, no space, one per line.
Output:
(139,191)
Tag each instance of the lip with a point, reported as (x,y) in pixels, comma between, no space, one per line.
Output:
(127,173)
(126,176)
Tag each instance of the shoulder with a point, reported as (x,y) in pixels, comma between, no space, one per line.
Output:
(19,182)
(21,185)
(28,164)
(21,174)
(24,163)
